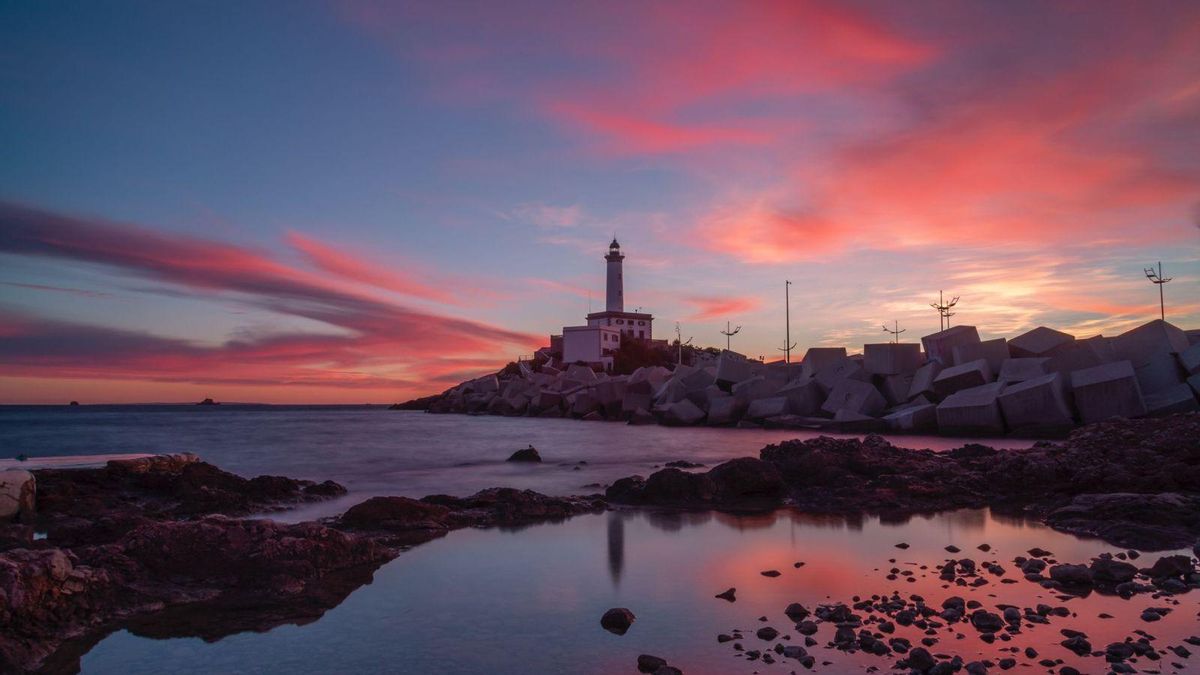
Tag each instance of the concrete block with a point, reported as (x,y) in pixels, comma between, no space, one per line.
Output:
(1161,372)
(631,402)
(850,422)
(488,384)
(1194,383)
(816,358)
(965,376)
(699,378)
(582,403)
(804,395)
(1108,390)
(767,407)
(1021,369)
(1189,359)
(724,411)
(891,358)
(842,369)
(894,388)
(1177,399)
(922,384)
(580,373)
(913,419)
(940,346)
(1141,344)
(18,493)
(855,395)
(972,411)
(1081,354)
(995,352)
(682,413)
(732,368)
(755,388)
(1040,341)
(671,391)
(1037,404)
(1193,335)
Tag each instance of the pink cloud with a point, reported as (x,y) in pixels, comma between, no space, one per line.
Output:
(707,308)
(361,269)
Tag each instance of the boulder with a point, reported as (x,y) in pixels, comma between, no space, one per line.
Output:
(923,379)
(804,395)
(891,358)
(964,376)
(682,413)
(1040,341)
(855,396)
(529,454)
(995,352)
(1037,405)
(913,419)
(18,494)
(1141,344)
(972,411)
(1071,575)
(1177,399)
(1106,391)
(767,407)
(732,368)
(617,620)
(1161,371)
(940,346)
(746,480)
(1021,369)
(816,358)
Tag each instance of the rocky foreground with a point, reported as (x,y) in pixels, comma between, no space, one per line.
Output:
(162,546)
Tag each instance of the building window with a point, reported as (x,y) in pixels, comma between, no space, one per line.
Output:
(641,333)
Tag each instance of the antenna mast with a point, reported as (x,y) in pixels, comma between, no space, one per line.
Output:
(943,309)
(788,345)
(895,333)
(1159,280)
(729,333)
(679,341)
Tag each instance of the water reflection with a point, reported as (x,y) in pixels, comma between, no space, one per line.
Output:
(616,545)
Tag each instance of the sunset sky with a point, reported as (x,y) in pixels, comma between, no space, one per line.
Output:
(367,201)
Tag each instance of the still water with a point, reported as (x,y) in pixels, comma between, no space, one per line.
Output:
(529,600)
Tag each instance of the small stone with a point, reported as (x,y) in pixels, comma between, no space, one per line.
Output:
(728,595)
(617,620)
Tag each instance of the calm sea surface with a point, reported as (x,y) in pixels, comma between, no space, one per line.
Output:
(529,600)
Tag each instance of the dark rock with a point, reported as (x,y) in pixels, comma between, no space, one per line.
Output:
(1107,572)
(529,454)
(767,633)
(728,595)
(617,620)
(649,664)
(1071,575)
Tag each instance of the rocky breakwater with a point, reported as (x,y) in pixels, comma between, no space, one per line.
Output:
(158,546)
(1133,483)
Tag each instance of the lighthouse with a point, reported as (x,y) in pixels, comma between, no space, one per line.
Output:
(600,339)
(616,293)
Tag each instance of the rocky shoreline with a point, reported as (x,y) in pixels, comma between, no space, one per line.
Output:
(162,546)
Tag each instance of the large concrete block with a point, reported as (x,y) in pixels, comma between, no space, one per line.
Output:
(940,346)
(732,368)
(856,396)
(972,411)
(1193,336)
(850,422)
(18,490)
(767,407)
(1108,390)
(755,388)
(699,378)
(842,369)
(895,388)
(1177,399)
(488,384)
(581,373)
(1081,354)
(1040,341)
(804,395)
(1022,369)
(632,402)
(1037,404)
(913,419)
(582,403)
(816,358)
(671,391)
(995,352)
(724,411)
(1141,344)
(965,376)
(891,358)
(682,413)
(1189,359)
(922,384)
(1161,372)
(1194,383)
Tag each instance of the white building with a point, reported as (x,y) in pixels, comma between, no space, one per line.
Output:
(596,342)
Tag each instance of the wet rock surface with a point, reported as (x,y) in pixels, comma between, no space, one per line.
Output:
(159,546)
(1133,483)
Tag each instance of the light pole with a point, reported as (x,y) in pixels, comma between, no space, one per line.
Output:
(1159,280)
(729,333)
(788,345)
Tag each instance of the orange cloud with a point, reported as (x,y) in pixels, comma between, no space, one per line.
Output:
(721,308)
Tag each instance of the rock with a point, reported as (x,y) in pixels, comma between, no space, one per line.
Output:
(1071,575)
(770,573)
(649,664)
(617,621)
(395,514)
(729,595)
(529,454)
(18,491)
(1108,572)
(1144,521)
(919,659)
(747,482)
(767,633)
(1171,566)
(985,621)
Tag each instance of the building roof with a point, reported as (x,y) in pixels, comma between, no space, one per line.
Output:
(620,315)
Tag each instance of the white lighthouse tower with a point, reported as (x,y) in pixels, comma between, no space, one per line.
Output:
(616,293)
(605,331)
